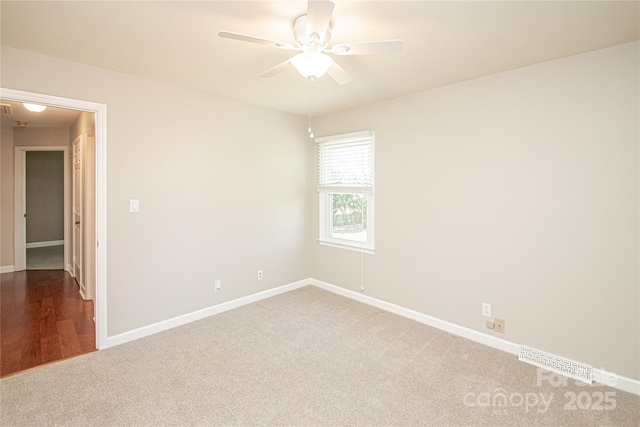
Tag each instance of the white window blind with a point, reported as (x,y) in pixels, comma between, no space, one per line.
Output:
(346,161)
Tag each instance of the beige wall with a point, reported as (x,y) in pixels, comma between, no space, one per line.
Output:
(44,196)
(222,188)
(84,125)
(41,136)
(518,189)
(6,197)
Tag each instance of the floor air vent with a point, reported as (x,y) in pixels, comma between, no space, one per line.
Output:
(557,364)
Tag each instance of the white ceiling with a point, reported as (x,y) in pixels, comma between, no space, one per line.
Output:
(51,117)
(445,42)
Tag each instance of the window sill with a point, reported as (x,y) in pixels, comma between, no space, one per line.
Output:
(348,247)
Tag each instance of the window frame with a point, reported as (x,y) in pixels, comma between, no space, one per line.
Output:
(324,199)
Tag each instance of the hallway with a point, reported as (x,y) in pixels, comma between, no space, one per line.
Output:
(44,319)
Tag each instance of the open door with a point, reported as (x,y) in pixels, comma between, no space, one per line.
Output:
(77,202)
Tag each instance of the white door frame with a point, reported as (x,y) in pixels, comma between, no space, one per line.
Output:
(20,203)
(100,111)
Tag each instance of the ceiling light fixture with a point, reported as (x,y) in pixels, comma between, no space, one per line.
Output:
(312,65)
(35,108)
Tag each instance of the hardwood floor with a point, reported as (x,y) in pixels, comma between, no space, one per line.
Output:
(43,319)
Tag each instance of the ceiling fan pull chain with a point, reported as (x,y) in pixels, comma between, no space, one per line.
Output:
(310,105)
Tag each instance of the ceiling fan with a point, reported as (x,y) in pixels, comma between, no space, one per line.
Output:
(312,33)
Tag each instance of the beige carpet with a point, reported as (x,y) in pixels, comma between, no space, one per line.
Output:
(307,357)
(46,258)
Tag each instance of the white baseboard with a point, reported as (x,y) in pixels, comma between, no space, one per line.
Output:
(7,269)
(629,385)
(599,375)
(452,328)
(44,244)
(201,314)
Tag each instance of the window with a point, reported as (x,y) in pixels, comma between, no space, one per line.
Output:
(345,188)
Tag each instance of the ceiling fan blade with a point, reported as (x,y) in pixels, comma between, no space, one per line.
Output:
(318,17)
(368,48)
(338,74)
(252,39)
(277,69)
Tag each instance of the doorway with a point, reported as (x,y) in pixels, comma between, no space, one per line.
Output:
(44,205)
(97,207)
(32,216)
(47,314)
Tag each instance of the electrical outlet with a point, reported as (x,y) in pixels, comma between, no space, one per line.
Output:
(217,285)
(499,326)
(490,324)
(260,275)
(486,309)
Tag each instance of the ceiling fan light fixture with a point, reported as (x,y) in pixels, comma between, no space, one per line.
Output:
(34,108)
(312,65)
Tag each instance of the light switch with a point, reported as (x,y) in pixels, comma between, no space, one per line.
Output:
(134,205)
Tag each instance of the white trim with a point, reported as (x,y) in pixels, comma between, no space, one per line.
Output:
(336,189)
(345,137)
(201,314)
(7,269)
(599,375)
(334,244)
(100,111)
(44,244)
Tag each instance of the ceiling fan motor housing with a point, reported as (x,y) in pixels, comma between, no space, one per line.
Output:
(312,43)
